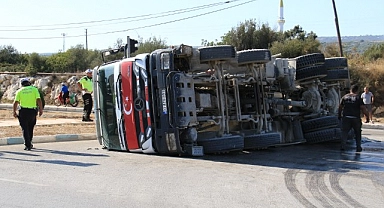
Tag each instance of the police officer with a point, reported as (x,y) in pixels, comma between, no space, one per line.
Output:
(349,112)
(28,98)
(86,86)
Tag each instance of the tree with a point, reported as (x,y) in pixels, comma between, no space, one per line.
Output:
(151,44)
(212,43)
(119,43)
(37,62)
(77,59)
(250,35)
(331,50)
(296,42)
(58,62)
(9,54)
(288,48)
(93,58)
(374,52)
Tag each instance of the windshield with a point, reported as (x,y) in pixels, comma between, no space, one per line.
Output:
(107,107)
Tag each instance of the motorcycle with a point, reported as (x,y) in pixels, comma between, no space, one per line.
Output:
(71,100)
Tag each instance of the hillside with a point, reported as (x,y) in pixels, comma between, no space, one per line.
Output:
(361,38)
(353,44)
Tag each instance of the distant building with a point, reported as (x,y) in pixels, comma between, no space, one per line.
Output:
(281,19)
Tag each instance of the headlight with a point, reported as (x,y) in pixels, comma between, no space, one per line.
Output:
(165,61)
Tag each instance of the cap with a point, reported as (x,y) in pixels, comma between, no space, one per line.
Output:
(63,84)
(24,80)
(88,71)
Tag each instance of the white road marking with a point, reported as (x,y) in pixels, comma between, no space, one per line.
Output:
(22,182)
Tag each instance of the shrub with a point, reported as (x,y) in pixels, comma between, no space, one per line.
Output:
(1,94)
(374,52)
(42,96)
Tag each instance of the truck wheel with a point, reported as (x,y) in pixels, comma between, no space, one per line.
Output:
(311,72)
(323,135)
(309,60)
(253,56)
(217,53)
(261,141)
(336,75)
(221,144)
(336,62)
(319,123)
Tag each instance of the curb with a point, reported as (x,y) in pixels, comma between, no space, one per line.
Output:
(46,139)
(372,126)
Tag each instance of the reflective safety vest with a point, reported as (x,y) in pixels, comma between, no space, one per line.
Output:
(27,96)
(86,83)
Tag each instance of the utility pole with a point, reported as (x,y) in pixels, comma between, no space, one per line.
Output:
(63,34)
(86,39)
(337,29)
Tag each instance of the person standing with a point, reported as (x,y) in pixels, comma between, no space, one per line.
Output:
(28,98)
(368,99)
(65,93)
(86,86)
(349,111)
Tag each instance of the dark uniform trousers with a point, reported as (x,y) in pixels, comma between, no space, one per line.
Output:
(87,98)
(27,120)
(347,125)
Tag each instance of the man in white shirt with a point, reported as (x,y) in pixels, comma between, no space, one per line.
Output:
(368,98)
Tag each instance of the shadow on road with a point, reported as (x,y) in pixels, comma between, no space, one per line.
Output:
(313,157)
(57,162)
(70,153)
(35,153)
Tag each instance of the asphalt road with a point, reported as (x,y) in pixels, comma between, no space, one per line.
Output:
(81,174)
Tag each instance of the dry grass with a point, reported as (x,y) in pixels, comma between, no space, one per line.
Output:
(42,130)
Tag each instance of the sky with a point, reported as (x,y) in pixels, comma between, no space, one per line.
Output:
(38,25)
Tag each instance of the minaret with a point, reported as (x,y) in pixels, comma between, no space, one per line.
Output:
(281,20)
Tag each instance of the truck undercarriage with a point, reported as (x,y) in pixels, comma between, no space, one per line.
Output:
(216,99)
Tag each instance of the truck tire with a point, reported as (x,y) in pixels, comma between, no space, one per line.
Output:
(221,144)
(319,123)
(253,56)
(336,75)
(309,60)
(261,141)
(335,62)
(217,53)
(311,72)
(323,135)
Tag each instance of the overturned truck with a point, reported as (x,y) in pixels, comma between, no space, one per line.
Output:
(195,101)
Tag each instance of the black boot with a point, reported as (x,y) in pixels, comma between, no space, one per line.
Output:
(358,145)
(88,118)
(359,149)
(84,115)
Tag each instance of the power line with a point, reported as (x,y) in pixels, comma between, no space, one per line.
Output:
(164,14)
(143,17)
(141,27)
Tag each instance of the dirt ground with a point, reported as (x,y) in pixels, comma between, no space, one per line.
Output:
(48,129)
